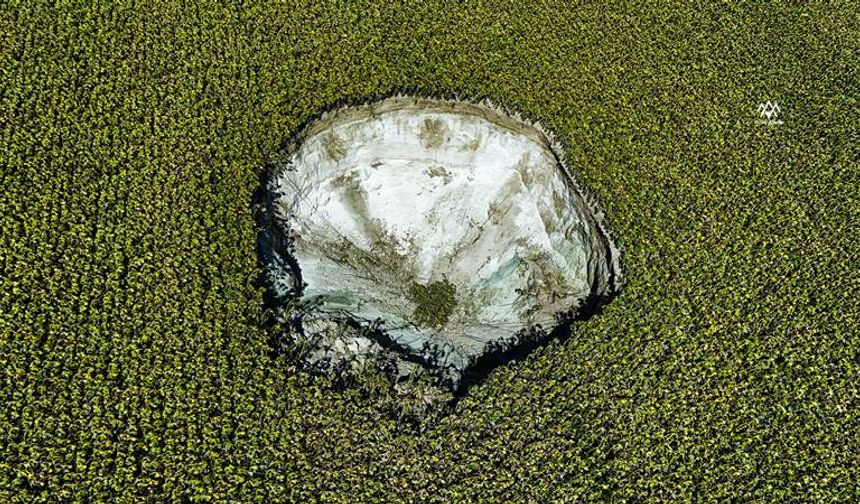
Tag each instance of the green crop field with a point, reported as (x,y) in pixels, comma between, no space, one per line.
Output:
(135,362)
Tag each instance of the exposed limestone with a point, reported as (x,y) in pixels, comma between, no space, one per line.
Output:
(448,230)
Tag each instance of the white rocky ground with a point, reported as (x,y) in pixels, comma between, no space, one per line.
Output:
(453,225)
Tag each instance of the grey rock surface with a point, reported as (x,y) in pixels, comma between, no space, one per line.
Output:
(447,230)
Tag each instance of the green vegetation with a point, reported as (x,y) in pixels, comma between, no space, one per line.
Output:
(133,361)
(434,302)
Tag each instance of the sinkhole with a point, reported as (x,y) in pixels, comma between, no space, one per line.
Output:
(439,234)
